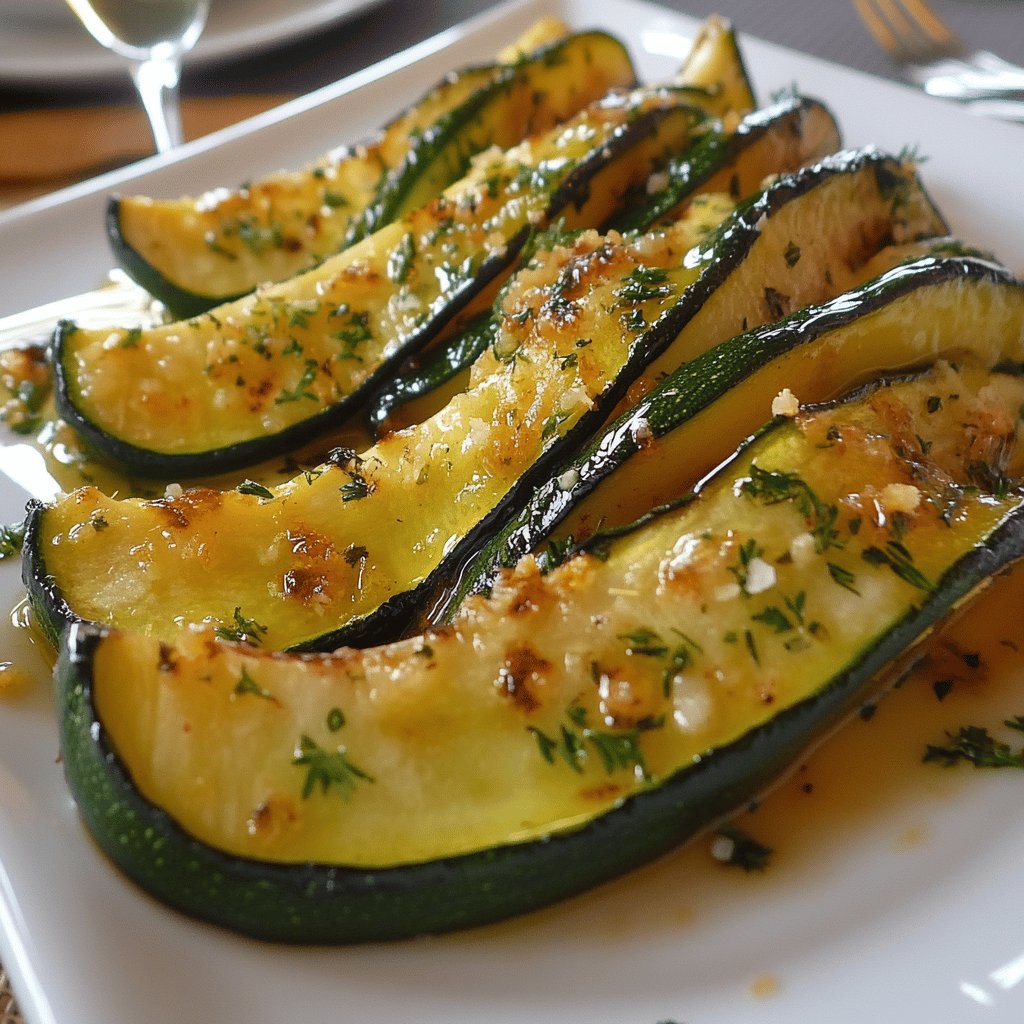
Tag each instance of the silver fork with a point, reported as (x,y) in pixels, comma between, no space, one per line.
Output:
(931,56)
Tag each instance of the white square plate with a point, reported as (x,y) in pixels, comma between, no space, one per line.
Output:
(866,925)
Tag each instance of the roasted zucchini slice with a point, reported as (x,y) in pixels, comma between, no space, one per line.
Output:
(910,316)
(254,378)
(348,551)
(781,138)
(197,252)
(577,724)
(716,63)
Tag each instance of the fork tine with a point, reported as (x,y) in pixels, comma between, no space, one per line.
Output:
(879,28)
(908,30)
(932,26)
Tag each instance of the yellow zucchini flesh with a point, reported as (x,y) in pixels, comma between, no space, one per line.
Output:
(575,724)
(254,377)
(715,63)
(197,252)
(339,544)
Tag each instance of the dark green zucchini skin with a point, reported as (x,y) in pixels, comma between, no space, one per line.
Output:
(318,903)
(51,609)
(687,174)
(573,191)
(180,302)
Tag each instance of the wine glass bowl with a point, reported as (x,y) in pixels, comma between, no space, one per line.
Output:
(153,36)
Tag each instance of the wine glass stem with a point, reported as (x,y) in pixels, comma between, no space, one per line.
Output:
(156,81)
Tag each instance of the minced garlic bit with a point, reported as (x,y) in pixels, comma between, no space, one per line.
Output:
(569,479)
(802,548)
(641,431)
(172,491)
(760,576)
(722,848)
(656,182)
(900,497)
(727,591)
(785,403)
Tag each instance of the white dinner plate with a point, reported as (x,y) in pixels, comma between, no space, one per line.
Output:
(41,41)
(909,907)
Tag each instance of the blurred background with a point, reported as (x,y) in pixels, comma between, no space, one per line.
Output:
(68,109)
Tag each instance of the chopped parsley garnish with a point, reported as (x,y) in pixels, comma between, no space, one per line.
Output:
(900,560)
(773,487)
(247,685)
(843,577)
(251,487)
(736,848)
(776,302)
(975,745)
(356,489)
(244,631)
(576,742)
(324,769)
(301,389)
(644,642)
(644,283)
(11,539)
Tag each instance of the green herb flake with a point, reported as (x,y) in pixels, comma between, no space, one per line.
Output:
(356,489)
(772,487)
(975,745)
(643,284)
(617,750)
(774,618)
(843,577)
(325,769)
(244,631)
(736,848)
(301,389)
(12,538)
(251,487)
(900,560)
(644,642)
(246,685)
(776,302)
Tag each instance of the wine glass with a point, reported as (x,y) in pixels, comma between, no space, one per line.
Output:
(153,35)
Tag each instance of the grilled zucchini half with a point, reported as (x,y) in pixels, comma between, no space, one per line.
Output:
(575,725)
(194,253)
(911,315)
(256,377)
(715,62)
(348,552)
(778,139)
